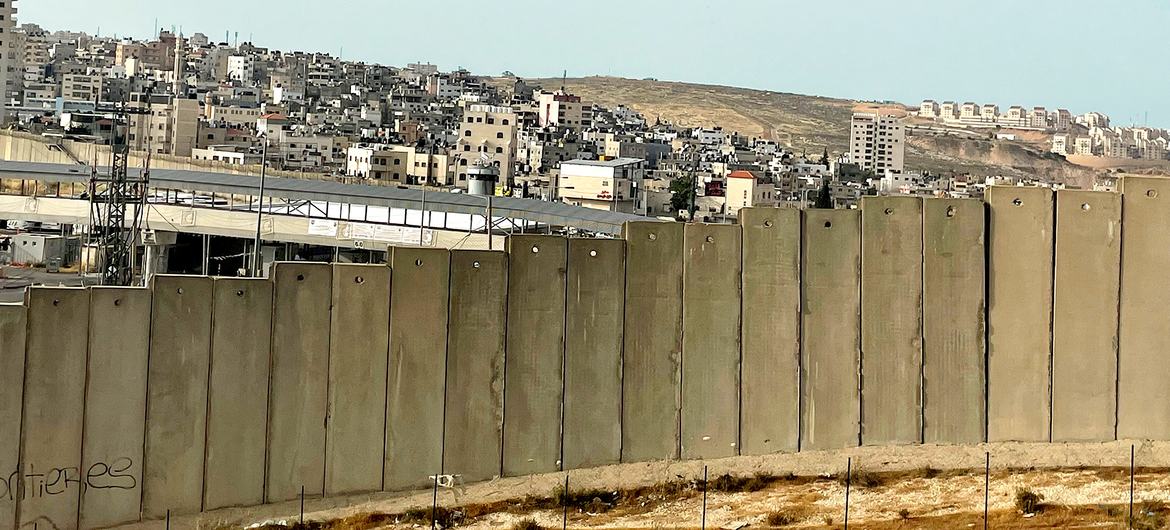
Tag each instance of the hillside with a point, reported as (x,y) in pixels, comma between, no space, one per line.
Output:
(811,123)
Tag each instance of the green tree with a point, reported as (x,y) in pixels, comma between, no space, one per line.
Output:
(825,158)
(824,197)
(682,190)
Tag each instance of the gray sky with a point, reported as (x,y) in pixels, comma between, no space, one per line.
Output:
(1080,54)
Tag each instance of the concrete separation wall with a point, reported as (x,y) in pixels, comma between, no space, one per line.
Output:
(793,331)
(237,414)
(954,326)
(13,322)
(298,397)
(831,355)
(1019,314)
(475,364)
(771,331)
(115,405)
(1143,408)
(651,366)
(358,352)
(54,401)
(176,401)
(594,311)
(891,320)
(710,366)
(418,363)
(1084,330)
(533,371)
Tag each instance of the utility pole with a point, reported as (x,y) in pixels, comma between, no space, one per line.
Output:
(260,208)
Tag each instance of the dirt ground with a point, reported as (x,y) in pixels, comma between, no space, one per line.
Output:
(1083,485)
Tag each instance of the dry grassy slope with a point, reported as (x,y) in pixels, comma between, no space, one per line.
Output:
(809,124)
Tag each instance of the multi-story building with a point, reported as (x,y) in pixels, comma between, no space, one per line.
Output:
(378,161)
(171,127)
(7,54)
(233,115)
(1061,119)
(561,109)
(486,133)
(79,87)
(970,112)
(949,111)
(1039,118)
(241,68)
(929,110)
(610,185)
(877,143)
(745,189)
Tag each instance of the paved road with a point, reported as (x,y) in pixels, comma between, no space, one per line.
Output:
(13,281)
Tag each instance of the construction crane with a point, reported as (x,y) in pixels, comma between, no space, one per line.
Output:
(117,202)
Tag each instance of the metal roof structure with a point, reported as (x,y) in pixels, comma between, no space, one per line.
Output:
(552,213)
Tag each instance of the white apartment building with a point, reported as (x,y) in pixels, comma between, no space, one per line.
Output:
(610,185)
(241,68)
(563,110)
(929,110)
(237,116)
(171,127)
(877,143)
(714,136)
(378,161)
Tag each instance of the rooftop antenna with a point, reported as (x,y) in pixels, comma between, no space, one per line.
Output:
(564,77)
(154,30)
(237,41)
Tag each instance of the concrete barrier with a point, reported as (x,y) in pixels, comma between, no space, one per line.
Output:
(891,320)
(475,364)
(954,322)
(711,320)
(176,399)
(358,353)
(594,310)
(1084,327)
(770,407)
(237,415)
(13,325)
(652,354)
(830,322)
(1143,410)
(1019,313)
(418,364)
(115,406)
(54,401)
(298,398)
(533,373)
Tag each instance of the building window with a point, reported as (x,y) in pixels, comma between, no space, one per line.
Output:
(499,150)
(467,133)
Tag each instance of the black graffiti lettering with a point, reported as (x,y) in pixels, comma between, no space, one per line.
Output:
(28,482)
(111,476)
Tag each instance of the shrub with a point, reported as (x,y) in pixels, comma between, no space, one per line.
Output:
(1029,502)
(904,513)
(1148,515)
(779,518)
(526,524)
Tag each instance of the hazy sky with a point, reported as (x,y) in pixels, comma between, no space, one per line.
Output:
(1084,55)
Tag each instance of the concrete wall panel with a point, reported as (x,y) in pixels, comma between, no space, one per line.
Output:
(954,331)
(1019,313)
(1084,324)
(298,397)
(475,364)
(176,401)
(54,400)
(652,354)
(891,320)
(1143,395)
(770,391)
(533,386)
(594,314)
(115,406)
(238,403)
(711,324)
(418,360)
(13,326)
(831,329)
(357,378)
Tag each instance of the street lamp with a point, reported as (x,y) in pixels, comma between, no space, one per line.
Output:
(260,207)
